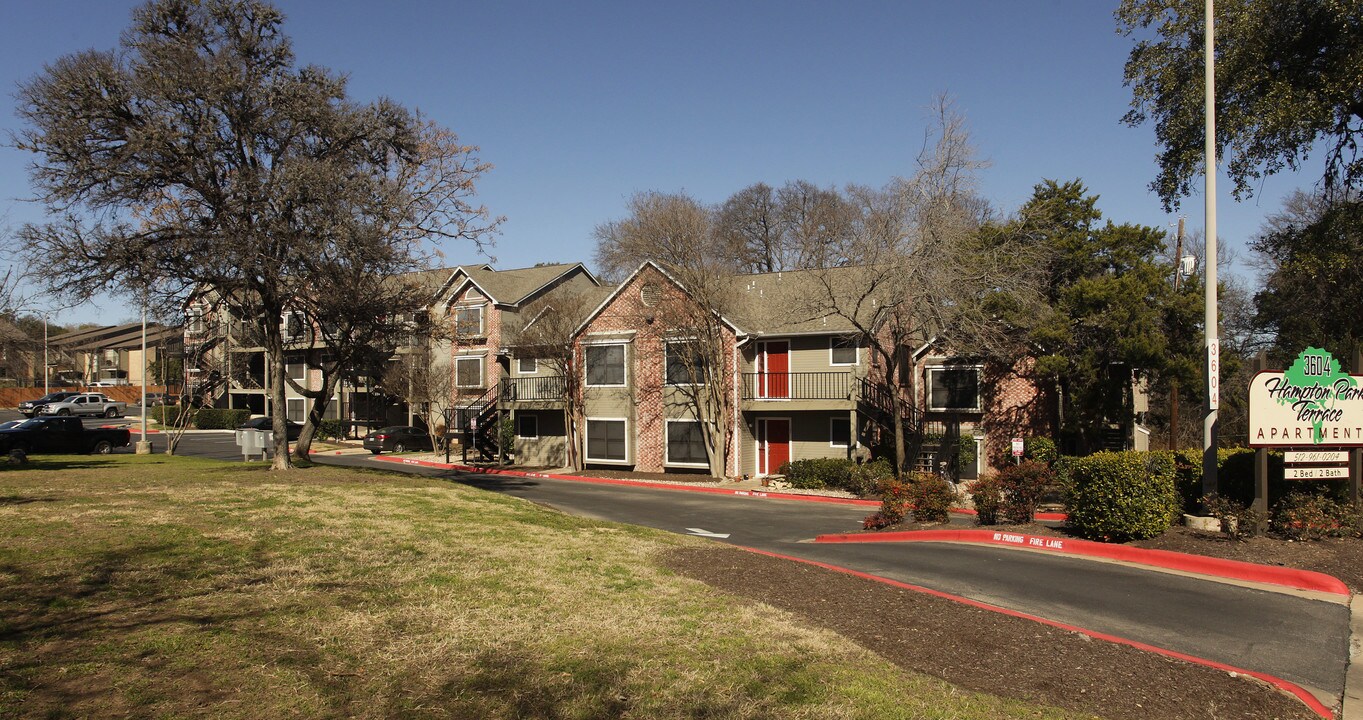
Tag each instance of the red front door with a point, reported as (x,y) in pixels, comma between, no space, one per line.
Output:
(773,445)
(775,370)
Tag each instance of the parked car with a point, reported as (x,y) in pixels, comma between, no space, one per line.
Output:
(157,399)
(293,429)
(397,438)
(9,424)
(108,383)
(86,404)
(30,407)
(61,435)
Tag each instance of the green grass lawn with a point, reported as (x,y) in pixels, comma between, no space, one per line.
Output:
(150,586)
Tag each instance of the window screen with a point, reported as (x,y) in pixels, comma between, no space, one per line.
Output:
(606,440)
(686,443)
(605,364)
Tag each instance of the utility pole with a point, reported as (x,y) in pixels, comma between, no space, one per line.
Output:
(1213,344)
(1173,384)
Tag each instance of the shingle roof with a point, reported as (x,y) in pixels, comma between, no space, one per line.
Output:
(786,302)
(511,287)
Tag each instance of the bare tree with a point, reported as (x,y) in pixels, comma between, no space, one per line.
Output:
(923,270)
(670,228)
(200,155)
(761,230)
(427,385)
(547,336)
(680,235)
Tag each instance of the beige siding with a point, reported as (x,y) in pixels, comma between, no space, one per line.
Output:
(809,436)
(808,353)
(546,450)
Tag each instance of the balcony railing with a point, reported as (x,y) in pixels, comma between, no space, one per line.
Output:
(532,388)
(798,386)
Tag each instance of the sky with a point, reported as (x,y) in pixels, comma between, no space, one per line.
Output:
(580,105)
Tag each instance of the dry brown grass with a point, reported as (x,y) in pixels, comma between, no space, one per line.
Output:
(153,586)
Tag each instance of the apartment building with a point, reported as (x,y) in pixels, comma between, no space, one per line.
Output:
(793,384)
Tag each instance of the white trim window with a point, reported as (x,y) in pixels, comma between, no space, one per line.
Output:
(527,426)
(953,387)
(685,444)
(468,321)
(843,351)
(294,409)
(607,440)
(683,363)
(294,326)
(194,320)
(839,432)
(468,371)
(604,365)
(296,367)
(527,366)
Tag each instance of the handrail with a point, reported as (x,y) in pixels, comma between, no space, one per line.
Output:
(835,385)
(525,389)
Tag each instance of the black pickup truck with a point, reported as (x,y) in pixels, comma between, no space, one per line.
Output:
(61,435)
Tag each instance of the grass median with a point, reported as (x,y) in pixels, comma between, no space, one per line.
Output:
(175,587)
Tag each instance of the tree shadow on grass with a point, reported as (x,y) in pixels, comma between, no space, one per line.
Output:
(517,682)
(24,500)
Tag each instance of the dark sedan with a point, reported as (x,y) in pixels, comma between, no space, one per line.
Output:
(30,407)
(397,438)
(293,429)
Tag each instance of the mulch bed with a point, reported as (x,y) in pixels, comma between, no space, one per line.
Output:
(987,651)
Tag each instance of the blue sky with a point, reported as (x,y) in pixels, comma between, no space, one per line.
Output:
(580,105)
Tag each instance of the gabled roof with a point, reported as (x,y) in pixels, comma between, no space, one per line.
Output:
(625,283)
(512,287)
(779,303)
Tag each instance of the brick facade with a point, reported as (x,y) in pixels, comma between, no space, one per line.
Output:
(648,311)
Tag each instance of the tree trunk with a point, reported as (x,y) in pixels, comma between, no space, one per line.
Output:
(316,413)
(278,407)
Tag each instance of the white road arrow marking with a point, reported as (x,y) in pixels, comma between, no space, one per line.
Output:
(706,533)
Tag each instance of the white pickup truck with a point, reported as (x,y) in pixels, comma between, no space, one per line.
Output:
(85,404)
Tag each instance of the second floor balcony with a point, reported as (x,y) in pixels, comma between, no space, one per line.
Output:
(831,388)
(549,389)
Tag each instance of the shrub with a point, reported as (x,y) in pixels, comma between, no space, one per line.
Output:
(875,521)
(931,497)
(1022,486)
(166,415)
(220,418)
(837,473)
(1237,520)
(1312,516)
(331,429)
(1116,496)
(816,473)
(987,494)
(894,496)
(865,478)
(1040,449)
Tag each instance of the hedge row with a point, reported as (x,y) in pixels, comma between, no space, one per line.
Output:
(839,473)
(204,418)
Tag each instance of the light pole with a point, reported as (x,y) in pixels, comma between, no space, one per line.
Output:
(47,367)
(1213,343)
(144,446)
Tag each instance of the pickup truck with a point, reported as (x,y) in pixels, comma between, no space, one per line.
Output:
(85,404)
(30,407)
(61,435)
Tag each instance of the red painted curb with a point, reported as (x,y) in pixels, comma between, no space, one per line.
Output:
(134,431)
(633,483)
(1199,564)
(1057,517)
(1284,685)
